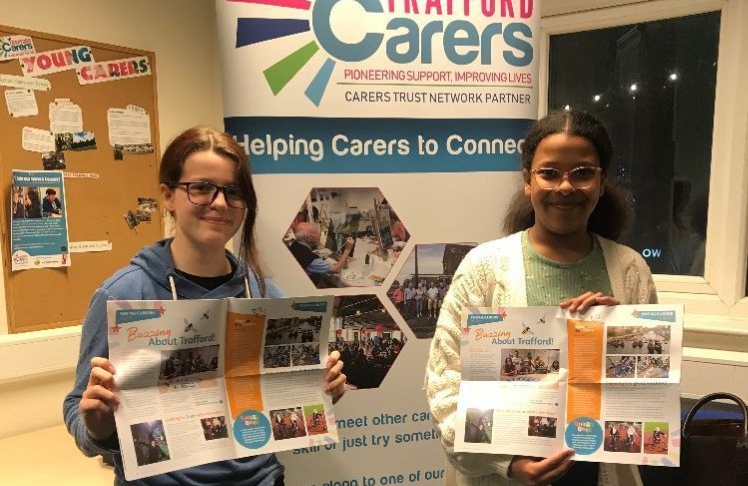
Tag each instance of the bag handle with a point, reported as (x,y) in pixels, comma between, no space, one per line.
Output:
(716,396)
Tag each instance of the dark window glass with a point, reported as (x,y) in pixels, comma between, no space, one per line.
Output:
(653,86)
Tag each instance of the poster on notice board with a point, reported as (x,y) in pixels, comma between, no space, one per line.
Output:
(39,229)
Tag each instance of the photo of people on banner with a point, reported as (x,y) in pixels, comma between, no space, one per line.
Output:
(423,282)
(346,237)
(367,337)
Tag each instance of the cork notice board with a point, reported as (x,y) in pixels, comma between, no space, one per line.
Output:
(99,189)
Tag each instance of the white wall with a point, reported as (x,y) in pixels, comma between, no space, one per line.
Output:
(183,34)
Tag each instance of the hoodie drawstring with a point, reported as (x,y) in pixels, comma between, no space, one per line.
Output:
(173,287)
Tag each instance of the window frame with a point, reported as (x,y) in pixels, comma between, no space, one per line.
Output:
(716,304)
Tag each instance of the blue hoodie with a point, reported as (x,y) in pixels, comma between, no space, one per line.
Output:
(147,278)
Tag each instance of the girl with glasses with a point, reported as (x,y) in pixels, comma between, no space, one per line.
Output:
(561,250)
(206,186)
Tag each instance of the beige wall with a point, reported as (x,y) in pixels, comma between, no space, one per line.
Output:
(34,403)
(183,35)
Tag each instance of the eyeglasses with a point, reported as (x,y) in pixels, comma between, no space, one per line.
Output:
(581,177)
(204,193)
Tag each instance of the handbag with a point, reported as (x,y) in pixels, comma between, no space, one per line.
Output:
(714,452)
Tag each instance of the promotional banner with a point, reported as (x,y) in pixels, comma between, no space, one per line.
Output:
(382,134)
(376,86)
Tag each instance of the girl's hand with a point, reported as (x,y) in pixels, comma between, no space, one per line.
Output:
(586,300)
(535,471)
(334,378)
(99,401)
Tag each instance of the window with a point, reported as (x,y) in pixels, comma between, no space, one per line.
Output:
(667,78)
(653,85)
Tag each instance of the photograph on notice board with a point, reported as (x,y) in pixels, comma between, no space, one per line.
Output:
(132,220)
(39,233)
(75,141)
(54,161)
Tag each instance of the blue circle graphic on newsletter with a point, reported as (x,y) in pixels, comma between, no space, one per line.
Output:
(584,435)
(252,429)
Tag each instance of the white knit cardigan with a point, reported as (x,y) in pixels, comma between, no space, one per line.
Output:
(493,274)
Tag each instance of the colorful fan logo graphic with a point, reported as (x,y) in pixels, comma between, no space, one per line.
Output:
(250,31)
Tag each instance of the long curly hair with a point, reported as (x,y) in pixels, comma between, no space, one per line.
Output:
(612,215)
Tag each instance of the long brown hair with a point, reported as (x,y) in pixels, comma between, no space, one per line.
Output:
(612,214)
(199,139)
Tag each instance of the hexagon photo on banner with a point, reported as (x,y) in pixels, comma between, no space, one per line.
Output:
(346,237)
(367,337)
(424,279)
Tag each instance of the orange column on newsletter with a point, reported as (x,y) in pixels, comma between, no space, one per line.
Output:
(585,365)
(243,353)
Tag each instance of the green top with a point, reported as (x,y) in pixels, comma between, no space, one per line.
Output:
(549,282)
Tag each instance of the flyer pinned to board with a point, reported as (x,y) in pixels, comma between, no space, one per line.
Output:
(65,116)
(21,102)
(37,140)
(129,126)
(39,233)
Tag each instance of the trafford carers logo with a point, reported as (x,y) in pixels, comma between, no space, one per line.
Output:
(441,27)
(250,31)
